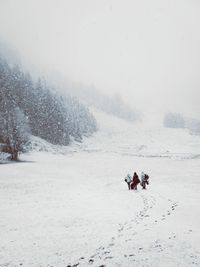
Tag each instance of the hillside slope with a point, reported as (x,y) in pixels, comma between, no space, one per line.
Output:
(75,209)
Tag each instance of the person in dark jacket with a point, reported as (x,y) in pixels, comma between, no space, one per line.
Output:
(135,181)
(144,180)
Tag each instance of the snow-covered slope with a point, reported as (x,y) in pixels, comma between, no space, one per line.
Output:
(147,139)
(75,209)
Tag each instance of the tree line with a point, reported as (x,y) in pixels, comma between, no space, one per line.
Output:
(176,120)
(34,108)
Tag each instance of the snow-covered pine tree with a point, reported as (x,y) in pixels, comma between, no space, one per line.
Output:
(14,131)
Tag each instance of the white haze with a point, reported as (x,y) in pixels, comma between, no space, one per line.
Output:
(148,51)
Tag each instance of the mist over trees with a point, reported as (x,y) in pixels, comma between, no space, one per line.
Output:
(33,108)
(89,95)
(176,120)
(112,105)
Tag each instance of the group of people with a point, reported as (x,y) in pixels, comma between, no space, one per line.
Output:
(134,181)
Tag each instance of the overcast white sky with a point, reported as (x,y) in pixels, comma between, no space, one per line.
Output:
(148,51)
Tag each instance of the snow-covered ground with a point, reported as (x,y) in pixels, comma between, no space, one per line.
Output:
(76,210)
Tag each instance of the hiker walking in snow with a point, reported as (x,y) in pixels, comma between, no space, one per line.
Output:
(128,180)
(144,180)
(135,181)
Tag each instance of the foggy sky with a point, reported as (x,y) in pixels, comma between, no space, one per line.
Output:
(148,51)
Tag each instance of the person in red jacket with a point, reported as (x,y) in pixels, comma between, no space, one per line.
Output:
(135,181)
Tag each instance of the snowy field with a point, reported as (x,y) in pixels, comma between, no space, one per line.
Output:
(75,209)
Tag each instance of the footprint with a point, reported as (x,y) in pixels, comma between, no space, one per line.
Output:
(128,240)
(108,257)
(91,261)
(106,252)
(101,248)
(93,256)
